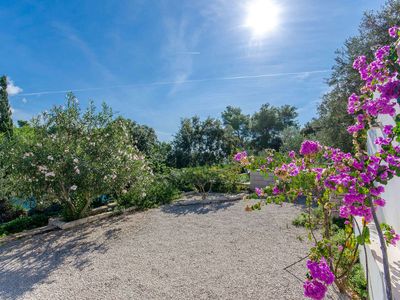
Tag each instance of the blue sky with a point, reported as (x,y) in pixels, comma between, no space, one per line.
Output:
(158,61)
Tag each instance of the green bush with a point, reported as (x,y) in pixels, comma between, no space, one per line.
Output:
(160,190)
(358,282)
(208,179)
(23,223)
(73,157)
(303,219)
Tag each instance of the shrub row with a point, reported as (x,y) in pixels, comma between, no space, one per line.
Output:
(23,223)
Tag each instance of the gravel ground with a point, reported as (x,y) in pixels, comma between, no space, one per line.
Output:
(214,251)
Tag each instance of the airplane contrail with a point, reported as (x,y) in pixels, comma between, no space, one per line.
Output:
(175,82)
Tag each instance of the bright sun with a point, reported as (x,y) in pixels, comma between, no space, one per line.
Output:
(262,17)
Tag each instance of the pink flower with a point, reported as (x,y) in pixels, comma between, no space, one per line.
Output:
(259,192)
(379,202)
(393,31)
(276,190)
(240,156)
(321,271)
(292,154)
(314,289)
(387,129)
(377,191)
(310,147)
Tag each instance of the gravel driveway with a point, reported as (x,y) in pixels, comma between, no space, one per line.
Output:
(214,251)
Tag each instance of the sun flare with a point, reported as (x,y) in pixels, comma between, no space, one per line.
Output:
(262,17)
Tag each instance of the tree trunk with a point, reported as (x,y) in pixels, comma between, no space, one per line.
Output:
(386,270)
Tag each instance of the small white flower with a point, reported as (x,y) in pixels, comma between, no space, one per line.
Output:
(75,160)
(42,169)
(124,191)
(50,174)
(77,171)
(50,157)
(73,188)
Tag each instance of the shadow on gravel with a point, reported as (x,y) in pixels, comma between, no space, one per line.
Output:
(27,262)
(200,209)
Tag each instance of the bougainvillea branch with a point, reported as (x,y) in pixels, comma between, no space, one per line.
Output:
(345,184)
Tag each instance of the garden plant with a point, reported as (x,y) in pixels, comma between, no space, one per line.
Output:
(347,185)
(72,158)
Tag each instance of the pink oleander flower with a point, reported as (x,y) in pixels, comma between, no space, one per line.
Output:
(314,289)
(310,147)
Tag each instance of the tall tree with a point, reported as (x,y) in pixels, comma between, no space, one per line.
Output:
(291,139)
(268,123)
(6,124)
(143,137)
(199,143)
(333,120)
(239,123)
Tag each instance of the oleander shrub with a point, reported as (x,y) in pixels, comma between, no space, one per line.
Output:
(74,157)
(157,190)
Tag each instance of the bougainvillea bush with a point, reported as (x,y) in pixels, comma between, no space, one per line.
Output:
(345,185)
(72,157)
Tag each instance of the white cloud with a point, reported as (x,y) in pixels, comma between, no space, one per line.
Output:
(24,100)
(12,89)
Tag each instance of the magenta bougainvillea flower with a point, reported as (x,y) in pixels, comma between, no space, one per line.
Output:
(314,289)
(310,147)
(393,31)
(240,156)
(259,192)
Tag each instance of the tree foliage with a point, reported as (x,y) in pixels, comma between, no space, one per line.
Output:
(199,143)
(73,157)
(333,120)
(268,123)
(239,123)
(6,123)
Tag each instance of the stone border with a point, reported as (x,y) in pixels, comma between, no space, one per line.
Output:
(237,197)
(27,233)
(68,225)
(56,224)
